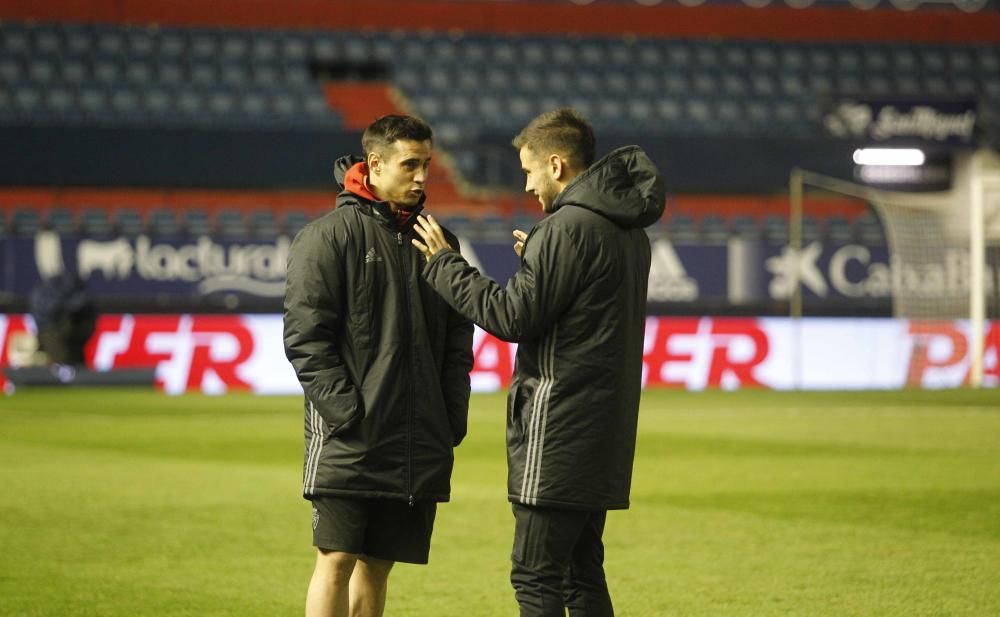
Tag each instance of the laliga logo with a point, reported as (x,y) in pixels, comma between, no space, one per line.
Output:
(858,120)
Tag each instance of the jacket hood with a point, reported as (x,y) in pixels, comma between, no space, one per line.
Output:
(342,166)
(624,187)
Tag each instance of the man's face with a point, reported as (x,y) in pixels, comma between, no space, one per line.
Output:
(398,175)
(538,178)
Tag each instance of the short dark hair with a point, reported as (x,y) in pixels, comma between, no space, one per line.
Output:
(389,129)
(562,131)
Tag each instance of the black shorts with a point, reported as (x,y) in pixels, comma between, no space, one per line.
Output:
(380,528)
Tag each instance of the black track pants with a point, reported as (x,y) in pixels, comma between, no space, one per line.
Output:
(558,563)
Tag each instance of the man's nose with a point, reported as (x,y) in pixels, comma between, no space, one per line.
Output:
(421,176)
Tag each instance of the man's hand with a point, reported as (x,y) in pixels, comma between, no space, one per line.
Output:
(519,245)
(430,231)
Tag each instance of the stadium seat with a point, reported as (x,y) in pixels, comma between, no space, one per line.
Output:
(745,226)
(870,230)
(196,222)
(94,223)
(714,229)
(811,230)
(264,225)
(25,221)
(775,229)
(163,224)
(128,222)
(681,229)
(232,225)
(61,221)
(293,221)
(839,231)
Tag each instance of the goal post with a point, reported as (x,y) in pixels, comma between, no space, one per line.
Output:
(941,236)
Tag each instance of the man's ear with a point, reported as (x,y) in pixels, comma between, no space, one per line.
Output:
(556,166)
(374,163)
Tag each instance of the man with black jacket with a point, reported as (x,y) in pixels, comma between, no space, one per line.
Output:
(384,364)
(576,308)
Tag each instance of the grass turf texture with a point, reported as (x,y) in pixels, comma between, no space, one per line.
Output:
(744,504)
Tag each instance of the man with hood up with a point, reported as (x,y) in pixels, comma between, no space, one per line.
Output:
(576,308)
(384,364)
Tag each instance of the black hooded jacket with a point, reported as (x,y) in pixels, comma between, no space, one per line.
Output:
(383,361)
(576,308)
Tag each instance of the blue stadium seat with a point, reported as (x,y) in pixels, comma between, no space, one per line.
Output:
(293,221)
(264,48)
(775,229)
(681,228)
(203,46)
(714,229)
(263,225)
(232,225)
(16,43)
(138,72)
(11,70)
(172,45)
(78,40)
(25,221)
(163,223)
(745,226)
(811,229)
(41,71)
(74,71)
(47,42)
(110,41)
(839,230)
(126,221)
(933,59)
(107,71)
(196,222)
(60,103)
(141,43)
(94,223)
(869,230)
(61,221)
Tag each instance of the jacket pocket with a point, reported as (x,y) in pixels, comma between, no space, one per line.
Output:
(515,421)
(338,414)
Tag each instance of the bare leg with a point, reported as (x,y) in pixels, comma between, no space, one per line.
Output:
(368,586)
(328,594)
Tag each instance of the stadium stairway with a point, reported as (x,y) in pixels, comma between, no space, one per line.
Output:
(359,103)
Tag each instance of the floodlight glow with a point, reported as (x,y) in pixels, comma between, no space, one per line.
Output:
(889,156)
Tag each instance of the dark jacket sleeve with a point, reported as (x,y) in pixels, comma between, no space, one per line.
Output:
(314,322)
(536,295)
(455,382)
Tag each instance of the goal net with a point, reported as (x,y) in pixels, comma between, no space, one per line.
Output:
(943,247)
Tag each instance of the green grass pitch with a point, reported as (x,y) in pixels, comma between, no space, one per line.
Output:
(743,504)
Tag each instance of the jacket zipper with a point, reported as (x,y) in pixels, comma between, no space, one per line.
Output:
(409,352)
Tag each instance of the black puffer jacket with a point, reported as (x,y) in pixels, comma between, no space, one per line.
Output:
(382,359)
(577,309)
